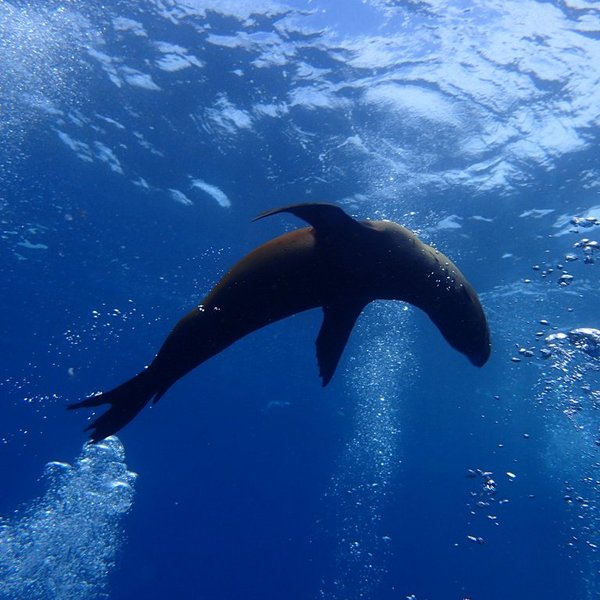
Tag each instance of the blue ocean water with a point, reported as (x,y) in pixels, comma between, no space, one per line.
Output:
(137,141)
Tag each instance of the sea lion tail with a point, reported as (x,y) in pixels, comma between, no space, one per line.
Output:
(126,401)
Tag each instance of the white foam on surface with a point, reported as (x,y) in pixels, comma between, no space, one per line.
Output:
(240,9)
(270,110)
(106,155)
(414,101)
(127,24)
(450,222)
(213,191)
(81,149)
(138,79)
(180,197)
(30,246)
(175,58)
(536,213)
(228,117)
(110,121)
(315,97)
(176,62)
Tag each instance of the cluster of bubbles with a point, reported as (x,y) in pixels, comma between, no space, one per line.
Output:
(573,388)
(64,544)
(105,323)
(585,251)
(584,248)
(362,486)
(568,391)
(90,332)
(485,498)
(574,359)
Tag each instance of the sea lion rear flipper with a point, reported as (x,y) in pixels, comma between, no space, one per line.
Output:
(321,216)
(126,401)
(337,324)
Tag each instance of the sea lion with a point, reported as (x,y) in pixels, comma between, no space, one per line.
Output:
(338,264)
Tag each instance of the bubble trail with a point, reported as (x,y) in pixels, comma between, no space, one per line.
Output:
(362,486)
(63,545)
(569,388)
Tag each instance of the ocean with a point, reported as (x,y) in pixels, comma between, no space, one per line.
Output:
(138,140)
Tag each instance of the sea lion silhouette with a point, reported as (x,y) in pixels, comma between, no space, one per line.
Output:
(338,264)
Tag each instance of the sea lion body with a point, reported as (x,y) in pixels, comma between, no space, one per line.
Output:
(338,264)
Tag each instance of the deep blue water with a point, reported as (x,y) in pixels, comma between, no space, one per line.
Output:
(137,142)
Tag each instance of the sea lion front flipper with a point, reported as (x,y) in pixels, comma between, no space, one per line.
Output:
(337,324)
(322,216)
